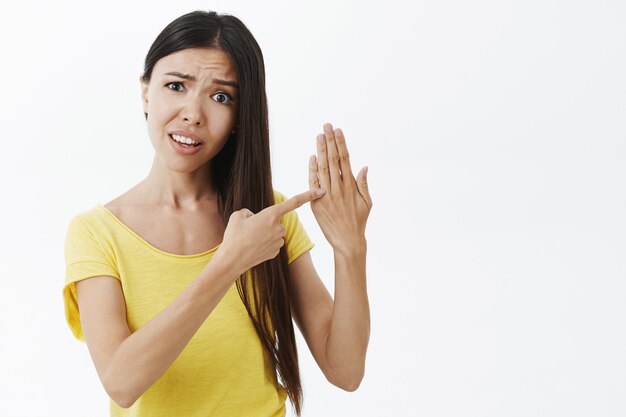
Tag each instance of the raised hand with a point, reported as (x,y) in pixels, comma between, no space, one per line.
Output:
(250,239)
(343,211)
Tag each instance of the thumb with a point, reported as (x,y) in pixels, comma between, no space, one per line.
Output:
(361,182)
(246,213)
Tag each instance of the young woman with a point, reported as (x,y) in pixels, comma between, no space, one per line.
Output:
(149,278)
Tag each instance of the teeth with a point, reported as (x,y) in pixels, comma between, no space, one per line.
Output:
(183,139)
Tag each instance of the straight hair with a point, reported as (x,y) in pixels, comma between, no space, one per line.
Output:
(242,175)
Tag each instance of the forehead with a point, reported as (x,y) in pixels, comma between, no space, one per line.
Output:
(198,62)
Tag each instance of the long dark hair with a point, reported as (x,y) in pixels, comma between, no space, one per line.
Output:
(243,177)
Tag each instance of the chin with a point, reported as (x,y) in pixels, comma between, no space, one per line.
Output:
(183,168)
(180,165)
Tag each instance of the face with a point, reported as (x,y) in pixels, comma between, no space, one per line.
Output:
(192,94)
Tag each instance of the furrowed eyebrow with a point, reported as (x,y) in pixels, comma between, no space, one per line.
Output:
(226,82)
(181,75)
(192,78)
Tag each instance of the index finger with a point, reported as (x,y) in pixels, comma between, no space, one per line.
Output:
(296,201)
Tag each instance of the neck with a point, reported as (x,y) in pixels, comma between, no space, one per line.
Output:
(174,190)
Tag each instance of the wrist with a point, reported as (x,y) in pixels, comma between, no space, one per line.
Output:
(354,248)
(227,265)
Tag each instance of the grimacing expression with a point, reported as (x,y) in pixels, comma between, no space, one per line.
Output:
(192,93)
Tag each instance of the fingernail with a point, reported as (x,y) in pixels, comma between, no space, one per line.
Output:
(320,192)
(320,139)
(365,172)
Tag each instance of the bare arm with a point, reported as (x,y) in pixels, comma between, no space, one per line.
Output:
(128,364)
(337,331)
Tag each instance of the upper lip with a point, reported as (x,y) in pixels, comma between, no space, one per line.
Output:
(186,134)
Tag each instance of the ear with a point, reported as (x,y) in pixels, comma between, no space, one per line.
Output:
(144,93)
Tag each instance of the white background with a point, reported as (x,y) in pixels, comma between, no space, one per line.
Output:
(495,136)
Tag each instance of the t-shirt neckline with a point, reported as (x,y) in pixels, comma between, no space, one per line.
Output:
(146,243)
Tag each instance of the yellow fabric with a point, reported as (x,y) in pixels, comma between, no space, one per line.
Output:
(223,371)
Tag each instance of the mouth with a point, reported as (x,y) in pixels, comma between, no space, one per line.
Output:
(185,141)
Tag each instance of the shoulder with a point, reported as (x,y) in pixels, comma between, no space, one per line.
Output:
(131,197)
(89,224)
(89,216)
(101,214)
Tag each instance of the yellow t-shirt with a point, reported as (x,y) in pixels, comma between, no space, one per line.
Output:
(223,371)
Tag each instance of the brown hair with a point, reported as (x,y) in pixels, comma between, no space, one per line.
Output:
(243,178)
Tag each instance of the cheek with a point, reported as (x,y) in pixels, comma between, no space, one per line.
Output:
(156,123)
(221,121)
(158,114)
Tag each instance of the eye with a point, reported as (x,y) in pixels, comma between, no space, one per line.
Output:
(175,86)
(222,98)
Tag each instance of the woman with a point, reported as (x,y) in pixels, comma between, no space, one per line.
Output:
(168,332)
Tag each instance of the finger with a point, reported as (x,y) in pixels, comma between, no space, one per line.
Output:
(344,156)
(296,201)
(333,156)
(244,213)
(322,162)
(314,181)
(361,182)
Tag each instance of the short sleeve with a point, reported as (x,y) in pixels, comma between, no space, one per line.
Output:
(84,258)
(297,241)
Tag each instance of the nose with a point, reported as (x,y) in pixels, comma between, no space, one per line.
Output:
(192,112)
(192,119)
